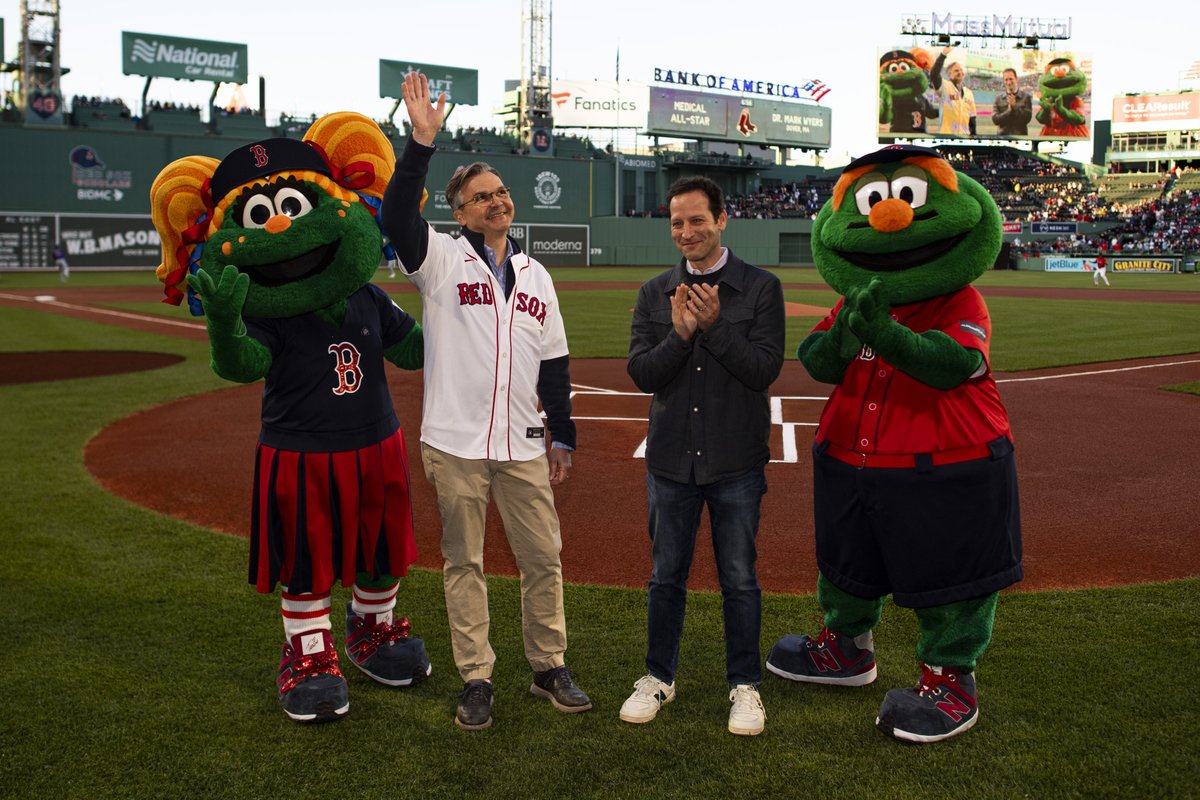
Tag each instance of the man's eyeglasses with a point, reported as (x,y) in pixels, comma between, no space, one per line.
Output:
(486,197)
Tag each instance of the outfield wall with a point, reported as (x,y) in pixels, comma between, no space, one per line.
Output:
(620,241)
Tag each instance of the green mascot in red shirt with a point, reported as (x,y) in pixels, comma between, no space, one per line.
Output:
(914,480)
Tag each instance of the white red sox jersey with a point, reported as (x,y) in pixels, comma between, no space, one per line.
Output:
(483,353)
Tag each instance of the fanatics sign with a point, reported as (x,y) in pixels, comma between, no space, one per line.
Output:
(599,104)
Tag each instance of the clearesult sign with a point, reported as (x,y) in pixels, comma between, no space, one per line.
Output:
(459,84)
(158,56)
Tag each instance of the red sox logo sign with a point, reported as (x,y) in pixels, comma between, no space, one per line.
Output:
(745,126)
(260,155)
(349,375)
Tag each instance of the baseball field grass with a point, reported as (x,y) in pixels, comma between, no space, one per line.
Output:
(139,664)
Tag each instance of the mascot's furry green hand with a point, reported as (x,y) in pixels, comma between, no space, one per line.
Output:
(898,232)
(235,356)
(253,241)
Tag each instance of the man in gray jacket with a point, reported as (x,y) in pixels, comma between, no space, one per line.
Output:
(707,342)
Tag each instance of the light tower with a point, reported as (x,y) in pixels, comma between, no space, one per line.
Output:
(39,83)
(536,51)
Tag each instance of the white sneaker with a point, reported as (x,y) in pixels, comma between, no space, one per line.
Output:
(747,717)
(649,695)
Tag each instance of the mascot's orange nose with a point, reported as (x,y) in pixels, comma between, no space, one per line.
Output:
(887,216)
(281,222)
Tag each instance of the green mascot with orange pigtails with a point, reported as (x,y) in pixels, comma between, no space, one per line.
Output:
(276,245)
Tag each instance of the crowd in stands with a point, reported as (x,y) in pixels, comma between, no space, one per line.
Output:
(79,102)
(1029,189)
(1169,224)
(791,200)
(172,106)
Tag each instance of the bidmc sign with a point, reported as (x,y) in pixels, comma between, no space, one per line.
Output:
(157,56)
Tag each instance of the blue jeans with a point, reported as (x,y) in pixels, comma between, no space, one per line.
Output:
(733,508)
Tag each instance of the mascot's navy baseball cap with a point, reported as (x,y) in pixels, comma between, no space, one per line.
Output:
(892,153)
(895,55)
(260,159)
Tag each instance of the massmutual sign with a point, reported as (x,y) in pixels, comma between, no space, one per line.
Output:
(185,59)
(994,26)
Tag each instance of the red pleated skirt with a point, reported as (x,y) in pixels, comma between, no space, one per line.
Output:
(321,517)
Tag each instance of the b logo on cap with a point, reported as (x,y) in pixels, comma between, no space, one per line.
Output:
(260,155)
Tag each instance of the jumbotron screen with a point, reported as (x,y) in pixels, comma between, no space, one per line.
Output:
(732,118)
(968,93)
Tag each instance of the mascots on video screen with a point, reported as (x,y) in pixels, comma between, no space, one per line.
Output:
(914,481)
(1060,90)
(276,245)
(903,82)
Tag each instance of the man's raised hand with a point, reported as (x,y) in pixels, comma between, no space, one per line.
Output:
(426,118)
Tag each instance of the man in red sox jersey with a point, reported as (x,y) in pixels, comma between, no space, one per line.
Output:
(914,480)
(495,347)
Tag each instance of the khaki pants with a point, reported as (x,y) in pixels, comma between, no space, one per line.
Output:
(526,503)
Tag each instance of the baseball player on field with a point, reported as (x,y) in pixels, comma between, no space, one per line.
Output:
(494,346)
(1100,270)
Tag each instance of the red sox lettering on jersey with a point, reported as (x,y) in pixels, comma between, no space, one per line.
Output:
(348,372)
(483,352)
(474,294)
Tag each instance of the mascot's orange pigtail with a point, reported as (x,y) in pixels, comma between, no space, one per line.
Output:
(357,147)
(181,209)
(361,156)
(922,57)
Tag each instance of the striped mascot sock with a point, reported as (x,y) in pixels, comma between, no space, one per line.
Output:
(376,602)
(305,612)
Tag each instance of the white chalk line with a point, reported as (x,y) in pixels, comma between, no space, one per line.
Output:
(790,449)
(1099,371)
(105,312)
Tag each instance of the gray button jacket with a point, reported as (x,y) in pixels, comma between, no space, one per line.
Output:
(710,416)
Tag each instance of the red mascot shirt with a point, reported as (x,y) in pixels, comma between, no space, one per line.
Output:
(877,409)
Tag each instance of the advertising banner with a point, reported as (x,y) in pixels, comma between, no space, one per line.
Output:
(1149,264)
(27,240)
(110,241)
(558,245)
(184,59)
(1012,227)
(704,115)
(1156,112)
(553,245)
(1067,265)
(982,93)
(1054,227)
(599,104)
(461,85)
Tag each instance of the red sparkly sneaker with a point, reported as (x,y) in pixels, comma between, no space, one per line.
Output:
(384,649)
(311,686)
